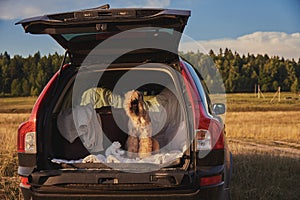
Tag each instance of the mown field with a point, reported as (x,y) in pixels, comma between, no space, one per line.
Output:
(243,102)
(263,137)
(16,104)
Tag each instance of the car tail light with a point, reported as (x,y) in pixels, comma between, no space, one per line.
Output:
(27,137)
(217,134)
(210,137)
(212,180)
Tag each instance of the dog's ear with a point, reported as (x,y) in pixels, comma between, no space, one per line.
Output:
(140,96)
(127,102)
(141,101)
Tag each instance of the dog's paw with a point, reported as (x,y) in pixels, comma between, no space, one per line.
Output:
(132,146)
(145,149)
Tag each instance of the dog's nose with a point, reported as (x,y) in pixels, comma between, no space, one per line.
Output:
(135,101)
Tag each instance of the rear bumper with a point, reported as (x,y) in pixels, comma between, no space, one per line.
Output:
(211,193)
(171,185)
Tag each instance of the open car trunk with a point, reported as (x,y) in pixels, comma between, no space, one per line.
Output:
(82,101)
(73,164)
(84,133)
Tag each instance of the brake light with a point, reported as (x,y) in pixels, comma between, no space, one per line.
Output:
(27,137)
(212,180)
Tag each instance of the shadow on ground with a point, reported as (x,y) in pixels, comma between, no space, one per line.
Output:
(263,176)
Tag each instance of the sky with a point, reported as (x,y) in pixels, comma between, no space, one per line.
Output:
(256,26)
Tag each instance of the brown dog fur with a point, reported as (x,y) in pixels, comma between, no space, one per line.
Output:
(140,130)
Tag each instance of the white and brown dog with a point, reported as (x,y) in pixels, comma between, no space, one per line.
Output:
(140,141)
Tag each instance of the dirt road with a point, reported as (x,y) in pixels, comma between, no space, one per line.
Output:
(280,147)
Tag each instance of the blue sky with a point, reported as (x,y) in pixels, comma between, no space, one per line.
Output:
(256,26)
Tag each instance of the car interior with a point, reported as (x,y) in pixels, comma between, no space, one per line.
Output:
(107,99)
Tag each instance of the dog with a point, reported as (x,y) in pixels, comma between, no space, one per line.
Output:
(140,141)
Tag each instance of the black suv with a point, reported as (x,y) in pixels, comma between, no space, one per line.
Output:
(81,139)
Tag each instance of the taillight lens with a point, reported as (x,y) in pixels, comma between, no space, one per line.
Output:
(220,141)
(27,137)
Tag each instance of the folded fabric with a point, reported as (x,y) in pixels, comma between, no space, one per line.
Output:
(83,122)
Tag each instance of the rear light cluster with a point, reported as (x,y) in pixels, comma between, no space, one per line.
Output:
(27,137)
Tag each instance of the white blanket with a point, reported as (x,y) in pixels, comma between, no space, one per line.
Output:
(115,155)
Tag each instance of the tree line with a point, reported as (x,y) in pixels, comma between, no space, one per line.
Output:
(26,76)
(21,76)
(241,73)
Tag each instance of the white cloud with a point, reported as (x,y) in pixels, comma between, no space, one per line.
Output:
(272,43)
(11,11)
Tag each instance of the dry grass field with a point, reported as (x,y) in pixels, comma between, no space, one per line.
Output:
(243,102)
(16,104)
(264,139)
(265,147)
(264,127)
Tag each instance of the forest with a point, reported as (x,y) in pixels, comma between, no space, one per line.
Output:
(27,76)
